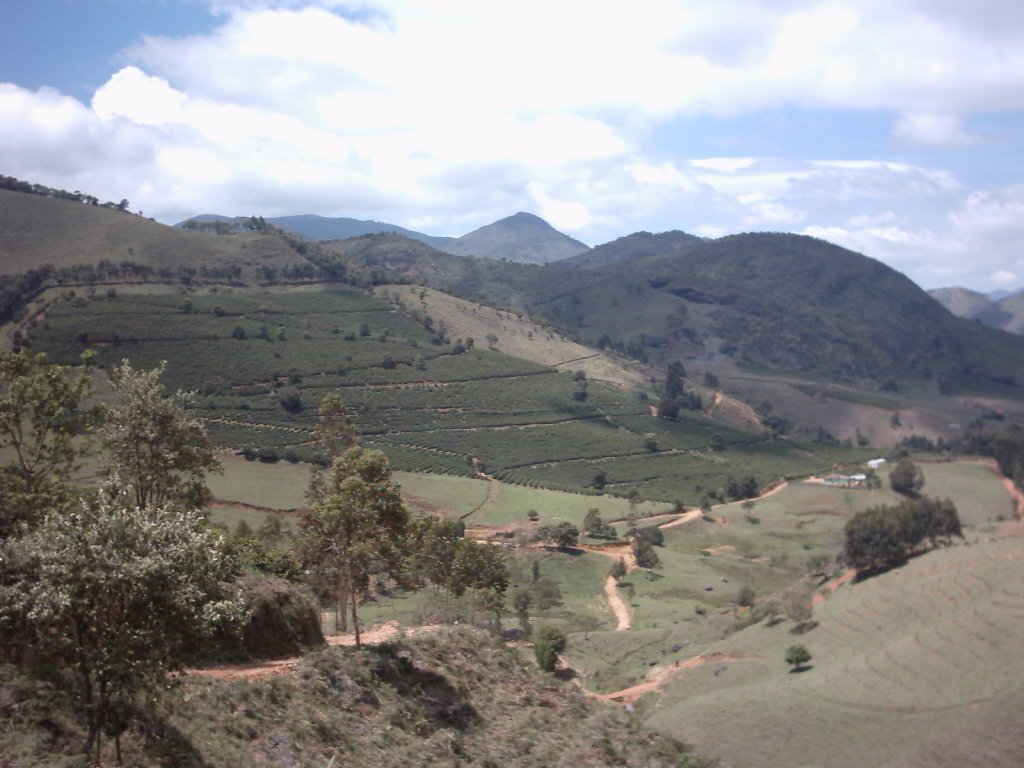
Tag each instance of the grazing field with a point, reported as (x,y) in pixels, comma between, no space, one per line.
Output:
(262,359)
(691,600)
(917,667)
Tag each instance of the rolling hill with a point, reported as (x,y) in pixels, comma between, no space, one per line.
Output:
(773,302)
(1005,312)
(37,230)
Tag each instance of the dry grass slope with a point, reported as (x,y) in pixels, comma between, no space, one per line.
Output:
(36,230)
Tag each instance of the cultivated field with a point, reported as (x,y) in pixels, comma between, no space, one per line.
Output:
(262,360)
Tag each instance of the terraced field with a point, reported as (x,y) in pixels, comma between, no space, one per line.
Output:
(261,360)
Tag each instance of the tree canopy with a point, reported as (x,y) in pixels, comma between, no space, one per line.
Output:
(884,536)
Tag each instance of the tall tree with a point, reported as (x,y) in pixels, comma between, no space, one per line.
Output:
(42,425)
(155,446)
(906,477)
(356,525)
(118,594)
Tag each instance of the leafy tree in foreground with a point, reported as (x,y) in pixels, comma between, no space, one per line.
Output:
(155,445)
(356,527)
(118,594)
(42,422)
(906,478)
(548,643)
(797,656)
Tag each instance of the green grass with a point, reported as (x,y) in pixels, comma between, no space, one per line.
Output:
(909,668)
(274,486)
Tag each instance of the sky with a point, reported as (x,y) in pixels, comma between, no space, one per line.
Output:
(892,128)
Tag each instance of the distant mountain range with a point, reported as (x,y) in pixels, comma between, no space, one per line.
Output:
(998,310)
(522,238)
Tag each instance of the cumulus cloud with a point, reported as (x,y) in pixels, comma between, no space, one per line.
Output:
(454,113)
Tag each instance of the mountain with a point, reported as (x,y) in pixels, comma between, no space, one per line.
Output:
(962,302)
(522,238)
(1005,312)
(314,227)
(630,248)
(779,303)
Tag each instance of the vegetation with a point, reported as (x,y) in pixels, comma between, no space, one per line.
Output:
(154,444)
(884,536)
(797,656)
(548,643)
(118,593)
(906,478)
(42,420)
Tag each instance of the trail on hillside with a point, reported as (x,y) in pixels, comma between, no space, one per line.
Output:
(619,607)
(374,636)
(663,674)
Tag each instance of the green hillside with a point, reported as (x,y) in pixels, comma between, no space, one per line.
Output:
(782,303)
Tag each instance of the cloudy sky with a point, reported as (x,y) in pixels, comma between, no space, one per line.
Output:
(894,128)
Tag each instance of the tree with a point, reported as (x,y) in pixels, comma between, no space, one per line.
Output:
(155,446)
(355,526)
(906,477)
(644,554)
(618,569)
(548,643)
(521,602)
(797,656)
(42,425)
(562,535)
(119,594)
(746,598)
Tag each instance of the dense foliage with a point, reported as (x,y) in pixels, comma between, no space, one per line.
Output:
(884,536)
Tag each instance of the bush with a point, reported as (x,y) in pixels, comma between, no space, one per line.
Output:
(548,643)
(284,620)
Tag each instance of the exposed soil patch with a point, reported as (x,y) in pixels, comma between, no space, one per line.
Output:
(663,674)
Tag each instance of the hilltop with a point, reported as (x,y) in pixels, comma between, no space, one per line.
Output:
(634,247)
(313,227)
(522,238)
(36,230)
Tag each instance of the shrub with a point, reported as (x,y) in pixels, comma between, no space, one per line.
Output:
(548,643)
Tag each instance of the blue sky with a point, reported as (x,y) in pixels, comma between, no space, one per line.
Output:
(895,129)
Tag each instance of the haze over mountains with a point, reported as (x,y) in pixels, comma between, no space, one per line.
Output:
(522,238)
(1004,310)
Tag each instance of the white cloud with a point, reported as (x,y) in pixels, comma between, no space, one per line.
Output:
(934,130)
(451,114)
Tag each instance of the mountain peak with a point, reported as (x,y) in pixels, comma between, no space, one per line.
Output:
(522,237)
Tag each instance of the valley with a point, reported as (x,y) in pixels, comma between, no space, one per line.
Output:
(690,398)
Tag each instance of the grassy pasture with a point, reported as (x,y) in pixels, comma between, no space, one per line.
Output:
(915,667)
